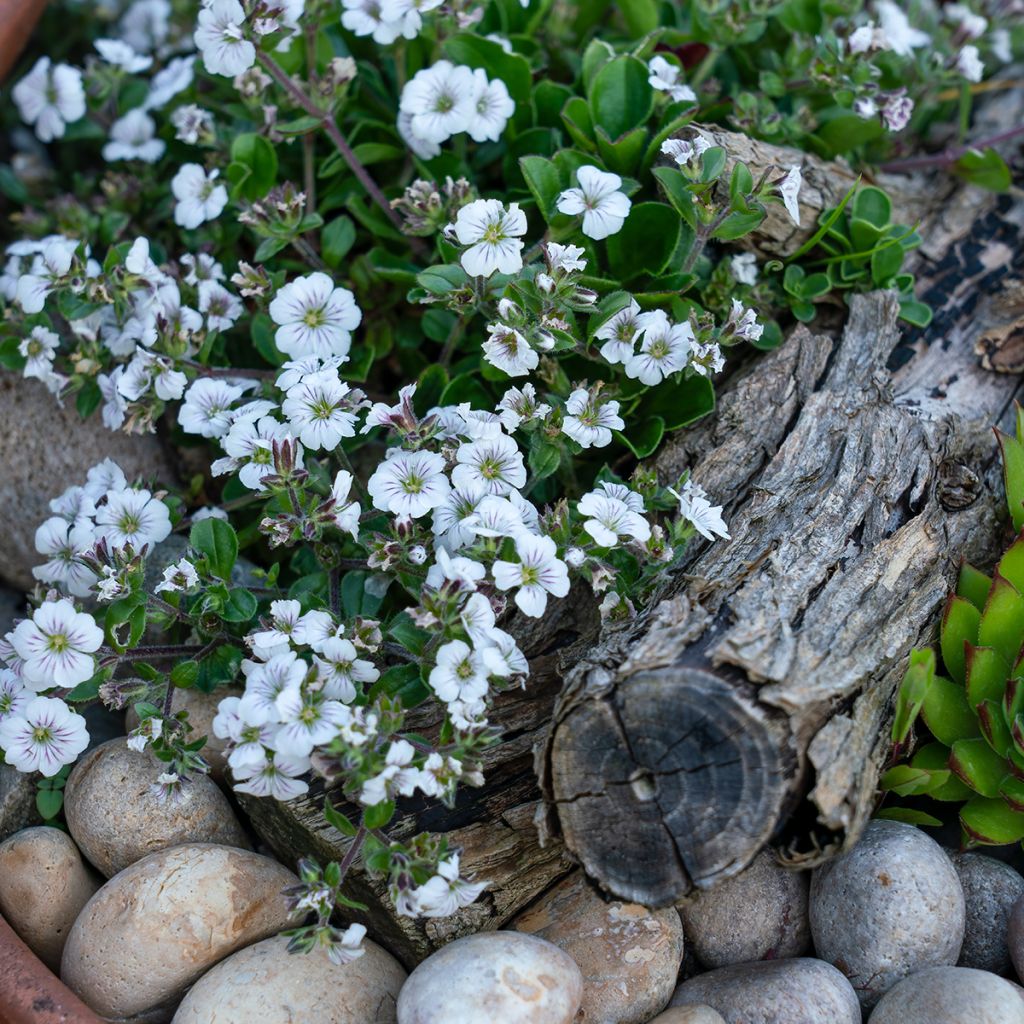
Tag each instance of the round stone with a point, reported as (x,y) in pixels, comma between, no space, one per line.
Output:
(990,890)
(689,1015)
(760,914)
(268,984)
(1015,936)
(116,814)
(889,907)
(774,992)
(160,924)
(629,956)
(43,886)
(951,995)
(202,709)
(493,976)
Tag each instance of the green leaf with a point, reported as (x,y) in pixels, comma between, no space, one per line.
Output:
(379,815)
(1011,789)
(987,672)
(408,634)
(1002,621)
(946,712)
(239,607)
(621,98)
(185,674)
(905,780)
(217,542)
(87,400)
(338,820)
(646,241)
(984,168)
(978,766)
(915,313)
(544,181)
(908,816)
(973,585)
(267,248)
(220,666)
(1013,477)
(466,387)
(442,279)
(643,440)
(712,163)
(677,191)
(404,682)
(336,239)
(917,681)
(578,122)
(960,621)
(49,802)
(300,125)
(679,404)
(991,822)
(873,205)
(738,224)
(622,155)
(935,757)
(258,155)
(89,690)
(640,16)
(993,726)
(595,56)
(544,459)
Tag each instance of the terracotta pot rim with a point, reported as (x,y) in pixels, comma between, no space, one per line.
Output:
(30,993)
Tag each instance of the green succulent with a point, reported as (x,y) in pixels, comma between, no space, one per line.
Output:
(974,710)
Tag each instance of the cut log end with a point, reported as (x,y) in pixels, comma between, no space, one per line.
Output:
(672,779)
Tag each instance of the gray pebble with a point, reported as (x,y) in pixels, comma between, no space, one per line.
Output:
(760,914)
(795,991)
(951,995)
(890,906)
(689,1015)
(990,890)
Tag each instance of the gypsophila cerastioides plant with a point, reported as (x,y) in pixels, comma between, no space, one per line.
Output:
(430,280)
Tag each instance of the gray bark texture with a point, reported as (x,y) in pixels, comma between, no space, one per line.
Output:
(749,706)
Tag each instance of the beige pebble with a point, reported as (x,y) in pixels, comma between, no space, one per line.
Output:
(43,885)
(689,1015)
(951,995)
(629,956)
(202,709)
(156,927)
(493,977)
(265,983)
(116,817)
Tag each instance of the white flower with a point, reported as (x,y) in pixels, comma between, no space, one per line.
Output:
(610,518)
(285,616)
(494,464)
(207,407)
(395,777)
(133,517)
(970,24)
(508,350)
(199,197)
(56,645)
(340,670)
(440,101)
(249,447)
(619,333)
(598,198)
(664,77)
(201,267)
(500,517)
(901,37)
(492,234)
(220,39)
(317,410)
(459,673)
(48,268)
(897,110)
(314,317)
(665,348)
(120,55)
(409,483)
(590,422)
(189,122)
(50,98)
(104,476)
(492,107)
(1001,44)
(694,506)
(364,18)
(145,25)
(38,349)
(789,190)
(348,946)
(178,576)
(44,737)
(278,778)
(538,572)
(743,267)
(168,82)
(15,696)
(346,513)
(518,406)
(222,308)
(867,37)
(969,64)
(249,738)
(64,543)
(445,892)
(450,517)
(686,152)
(464,571)
(565,258)
(743,322)
(423,148)
(132,137)
(264,683)
(308,720)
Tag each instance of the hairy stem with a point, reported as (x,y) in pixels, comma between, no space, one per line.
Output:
(948,157)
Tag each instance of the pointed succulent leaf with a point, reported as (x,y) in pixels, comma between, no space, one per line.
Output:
(973,585)
(918,679)
(1013,476)
(934,757)
(1011,789)
(1015,762)
(1017,736)
(1013,697)
(987,672)
(994,727)
(960,622)
(1002,621)
(990,823)
(1011,565)
(909,816)
(946,712)
(978,766)
(905,780)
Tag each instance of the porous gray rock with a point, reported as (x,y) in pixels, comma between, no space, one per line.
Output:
(17,800)
(1015,936)
(160,924)
(759,914)
(266,983)
(689,1015)
(493,976)
(889,907)
(629,956)
(990,890)
(117,817)
(951,995)
(43,886)
(46,449)
(774,992)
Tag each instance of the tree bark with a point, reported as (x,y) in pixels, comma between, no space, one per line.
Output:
(750,705)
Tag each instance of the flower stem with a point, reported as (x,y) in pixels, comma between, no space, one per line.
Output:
(948,157)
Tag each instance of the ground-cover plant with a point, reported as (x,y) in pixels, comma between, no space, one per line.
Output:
(974,711)
(430,281)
